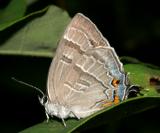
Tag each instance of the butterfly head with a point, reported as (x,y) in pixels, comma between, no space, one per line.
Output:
(133,91)
(43,100)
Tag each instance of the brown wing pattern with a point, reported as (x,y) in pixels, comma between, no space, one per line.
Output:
(80,71)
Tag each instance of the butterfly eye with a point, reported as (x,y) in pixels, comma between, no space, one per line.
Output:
(115,83)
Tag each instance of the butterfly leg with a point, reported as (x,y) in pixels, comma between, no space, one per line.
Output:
(47,116)
(63,122)
(74,114)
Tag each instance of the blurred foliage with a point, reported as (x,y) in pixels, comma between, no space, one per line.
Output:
(29,32)
(131,26)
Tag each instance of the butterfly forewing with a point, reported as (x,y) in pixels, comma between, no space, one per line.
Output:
(83,68)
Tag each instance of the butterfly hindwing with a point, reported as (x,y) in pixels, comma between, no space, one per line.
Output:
(83,68)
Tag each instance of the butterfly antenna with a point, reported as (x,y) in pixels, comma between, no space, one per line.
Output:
(21,82)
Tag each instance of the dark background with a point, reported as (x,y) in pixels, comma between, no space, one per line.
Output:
(132,28)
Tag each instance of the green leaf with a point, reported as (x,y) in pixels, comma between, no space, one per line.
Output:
(142,75)
(14,11)
(39,35)
(105,117)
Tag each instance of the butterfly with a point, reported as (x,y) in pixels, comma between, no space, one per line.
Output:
(85,75)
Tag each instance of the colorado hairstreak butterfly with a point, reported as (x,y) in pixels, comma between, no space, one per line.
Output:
(85,75)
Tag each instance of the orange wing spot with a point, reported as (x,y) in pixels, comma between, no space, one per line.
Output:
(115,83)
(107,104)
(116,100)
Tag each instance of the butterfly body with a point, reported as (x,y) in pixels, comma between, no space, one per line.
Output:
(64,112)
(85,75)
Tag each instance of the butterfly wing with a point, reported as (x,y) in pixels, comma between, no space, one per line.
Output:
(81,70)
